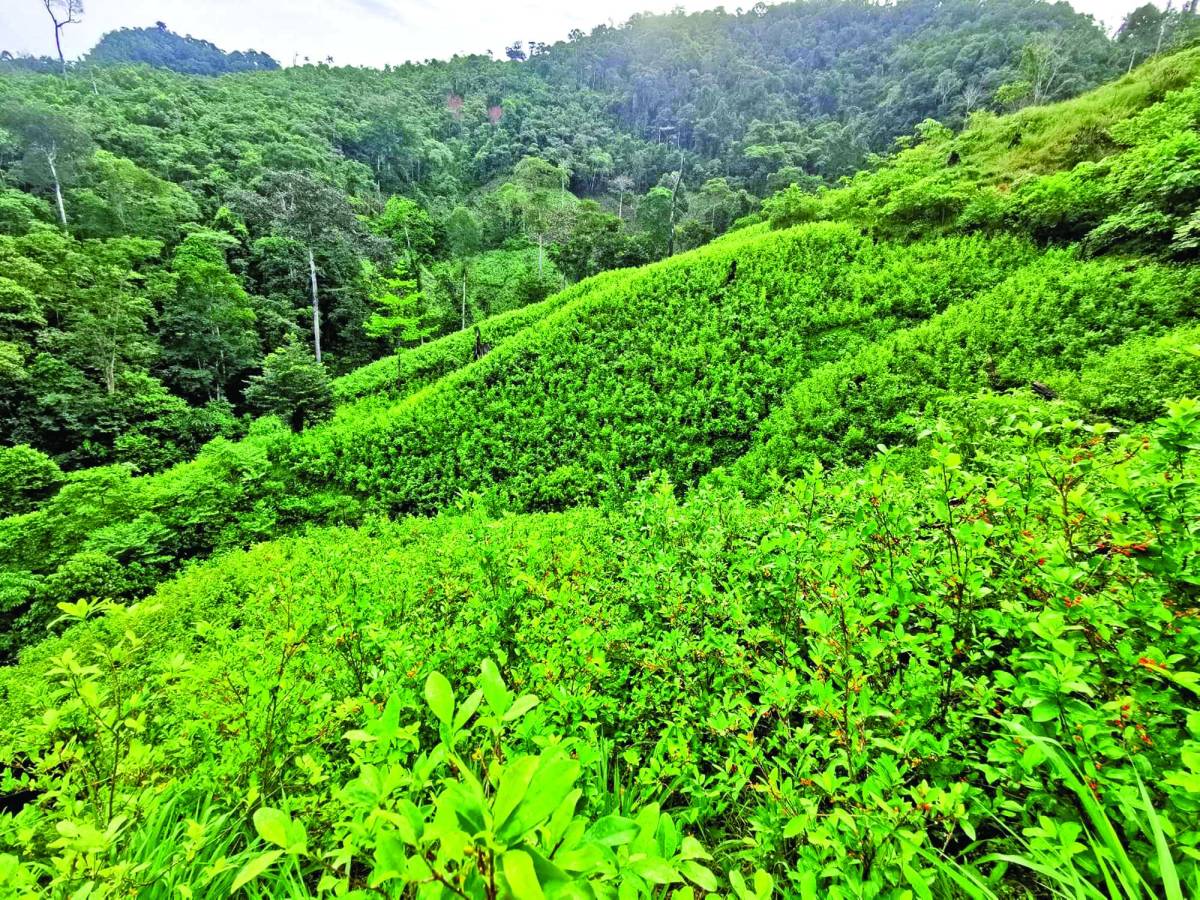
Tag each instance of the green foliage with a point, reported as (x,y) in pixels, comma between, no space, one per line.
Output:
(678,369)
(853,557)
(28,476)
(160,47)
(1129,181)
(121,198)
(816,87)
(398,314)
(1124,382)
(208,321)
(910,666)
(19,211)
(292,386)
(1046,321)
(478,160)
(416,367)
(51,147)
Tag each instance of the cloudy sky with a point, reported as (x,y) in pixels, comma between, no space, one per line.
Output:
(364,32)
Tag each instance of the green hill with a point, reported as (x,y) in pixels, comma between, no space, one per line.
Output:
(204,190)
(159,46)
(852,554)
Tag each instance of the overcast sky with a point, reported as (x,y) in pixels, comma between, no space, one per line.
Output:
(362,32)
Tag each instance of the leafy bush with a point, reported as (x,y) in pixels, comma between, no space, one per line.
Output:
(293,386)
(873,680)
(671,367)
(1044,320)
(1128,381)
(416,367)
(28,476)
(1118,169)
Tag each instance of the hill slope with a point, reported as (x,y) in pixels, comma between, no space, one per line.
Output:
(160,47)
(206,204)
(958,617)
(677,368)
(747,667)
(668,368)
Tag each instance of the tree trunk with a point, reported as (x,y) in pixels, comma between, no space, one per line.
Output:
(1162,27)
(464,297)
(316,305)
(58,197)
(62,60)
(412,258)
(674,193)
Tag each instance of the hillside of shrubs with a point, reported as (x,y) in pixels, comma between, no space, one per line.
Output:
(854,554)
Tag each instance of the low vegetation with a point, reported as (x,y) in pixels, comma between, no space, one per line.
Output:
(855,553)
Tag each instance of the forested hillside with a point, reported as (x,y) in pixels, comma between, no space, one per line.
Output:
(163,232)
(159,46)
(470,523)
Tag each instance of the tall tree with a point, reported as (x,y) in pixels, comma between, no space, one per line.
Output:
(63,13)
(106,327)
(621,185)
(544,200)
(397,314)
(411,231)
(292,386)
(462,231)
(656,217)
(311,214)
(53,146)
(207,324)
(122,198)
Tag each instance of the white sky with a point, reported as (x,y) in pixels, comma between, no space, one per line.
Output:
(362,32)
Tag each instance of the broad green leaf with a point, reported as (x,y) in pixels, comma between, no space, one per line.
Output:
(916,882)
(272,825)
(563,816)
(497,694)
(1044,712)
(739,886)
(440,697)
(1033,756)
(693,849)
(253,869)
(698,874)
(655,869)
(581,859)
(520,875)
(467,710)
(1189,781)
(514,783)
(551,783)
(390,859)
(764,885)
(613,831)
(521,705)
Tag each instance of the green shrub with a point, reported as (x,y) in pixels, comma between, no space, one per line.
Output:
(875,679)
(1129,381)
(1045,320)
(27,477)
(292,386)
